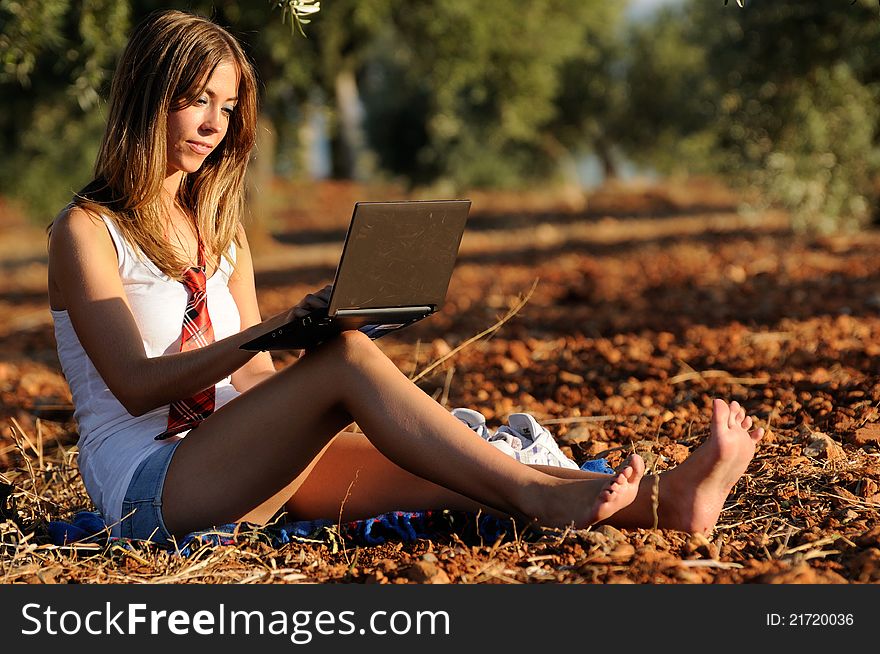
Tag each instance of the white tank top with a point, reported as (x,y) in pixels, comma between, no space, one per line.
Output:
(112,442)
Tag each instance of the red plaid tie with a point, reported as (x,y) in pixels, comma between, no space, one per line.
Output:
(197,332)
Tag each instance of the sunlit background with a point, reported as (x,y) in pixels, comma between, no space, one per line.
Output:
(444,97)
(662,191)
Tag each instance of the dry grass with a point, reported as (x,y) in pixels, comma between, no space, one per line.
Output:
(776,519)
(637,323)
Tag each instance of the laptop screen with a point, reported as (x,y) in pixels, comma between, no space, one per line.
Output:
(399,254)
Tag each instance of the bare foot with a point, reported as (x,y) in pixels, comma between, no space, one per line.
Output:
(619,491)
(693,493)
(585,501)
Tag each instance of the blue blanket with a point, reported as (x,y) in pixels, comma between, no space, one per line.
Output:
(405,526)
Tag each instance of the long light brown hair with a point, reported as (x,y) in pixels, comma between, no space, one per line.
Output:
(165,67)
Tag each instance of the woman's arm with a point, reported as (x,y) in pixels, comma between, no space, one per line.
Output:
(242,288)
(83,265)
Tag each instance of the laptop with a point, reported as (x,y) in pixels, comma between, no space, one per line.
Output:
(395,268)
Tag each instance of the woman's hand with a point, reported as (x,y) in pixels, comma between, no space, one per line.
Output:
(312,302)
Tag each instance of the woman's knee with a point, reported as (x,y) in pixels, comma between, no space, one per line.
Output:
(353,347)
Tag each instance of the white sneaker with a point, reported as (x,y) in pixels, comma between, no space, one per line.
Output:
(473,419)
(530,443)
(477,422)
(522,438)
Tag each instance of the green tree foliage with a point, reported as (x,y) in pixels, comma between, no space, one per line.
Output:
(467,92)
(472,93)
(340,46)
(56,57)
(591,97)
(297,12)
(56,60)
(779,96)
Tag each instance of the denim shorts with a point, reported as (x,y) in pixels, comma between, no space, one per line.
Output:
(142,506)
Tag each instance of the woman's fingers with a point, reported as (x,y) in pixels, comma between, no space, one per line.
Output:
(320,298)
(325,292)
(315,300)
(302,309)
(312,301)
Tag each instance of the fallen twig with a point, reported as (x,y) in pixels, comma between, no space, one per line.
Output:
(565,421)
(486,332)
(709,563)
(718,374)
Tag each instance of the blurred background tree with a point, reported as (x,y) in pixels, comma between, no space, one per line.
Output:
(56,58)
(778,97)
(469,94)
(782,97)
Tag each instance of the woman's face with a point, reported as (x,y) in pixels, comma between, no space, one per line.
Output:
(194,131)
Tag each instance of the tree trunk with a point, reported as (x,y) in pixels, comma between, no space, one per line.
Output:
(258,185)
(348,142)
(607,159)
(571,191)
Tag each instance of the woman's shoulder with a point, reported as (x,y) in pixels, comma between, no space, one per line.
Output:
(80,228)
(78,237)
(75,220)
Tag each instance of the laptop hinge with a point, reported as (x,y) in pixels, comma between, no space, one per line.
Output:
(389,311)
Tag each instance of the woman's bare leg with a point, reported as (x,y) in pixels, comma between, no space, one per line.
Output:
(691,495)
(351,479)
(264,444)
